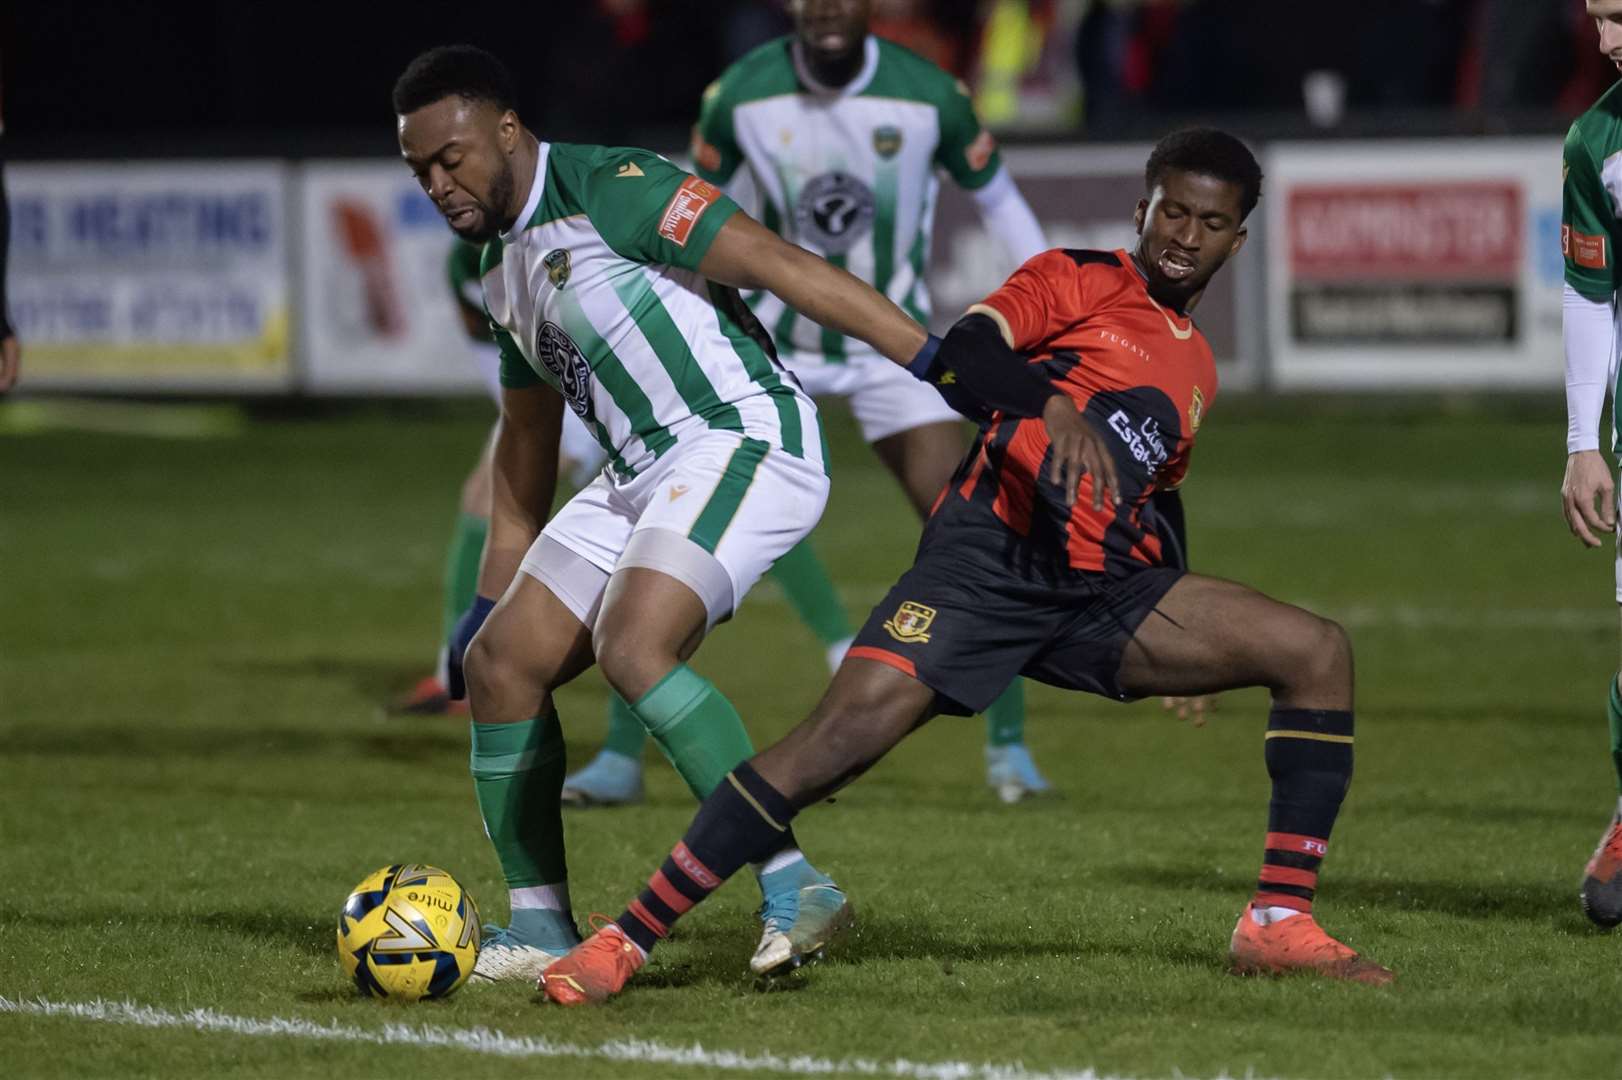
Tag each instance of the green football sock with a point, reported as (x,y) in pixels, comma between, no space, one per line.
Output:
(696,727)
(1005,719)
(626,735)
(518,776)
(1615,711)
(462,568)
(804,580)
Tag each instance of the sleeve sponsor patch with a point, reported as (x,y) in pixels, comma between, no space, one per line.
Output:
(980,150)
(685,208)
(1581,249)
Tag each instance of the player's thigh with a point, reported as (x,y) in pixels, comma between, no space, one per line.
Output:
(533,640)
(1206,635)
(540,631)
(652,619)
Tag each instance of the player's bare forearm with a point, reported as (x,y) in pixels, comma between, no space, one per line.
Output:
(747,255)
(523,479)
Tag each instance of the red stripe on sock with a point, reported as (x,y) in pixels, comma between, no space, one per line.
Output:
(694,869)
(1305,845)
(883,656)
(1268,899)
(645,917)
(1289,875)
(664,890)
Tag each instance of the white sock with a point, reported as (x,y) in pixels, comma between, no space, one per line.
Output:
(787,857)
(1267,916)
(550,897)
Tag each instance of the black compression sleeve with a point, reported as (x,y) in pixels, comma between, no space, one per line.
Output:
(992,372)
(1173,531)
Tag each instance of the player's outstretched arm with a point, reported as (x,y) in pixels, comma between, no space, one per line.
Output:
(747,255)
(523,479)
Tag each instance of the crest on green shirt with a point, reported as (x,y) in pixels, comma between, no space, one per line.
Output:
(886,141)
(557,267)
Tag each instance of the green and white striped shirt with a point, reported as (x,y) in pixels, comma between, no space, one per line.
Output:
(595,291)
(848,172)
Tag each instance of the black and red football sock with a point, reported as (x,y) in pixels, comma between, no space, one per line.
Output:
(1309,757)
(743,820)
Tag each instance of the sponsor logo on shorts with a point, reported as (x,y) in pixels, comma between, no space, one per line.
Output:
(886,141)
(1196,410)
(557,266)
(677,491)
(1582,249)
(910,623)
(685,208)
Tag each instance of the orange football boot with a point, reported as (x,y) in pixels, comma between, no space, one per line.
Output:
(1297,943)
(428,698)
(594,970)
(1602,879)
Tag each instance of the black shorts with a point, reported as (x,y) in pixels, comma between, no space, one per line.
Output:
(978,608)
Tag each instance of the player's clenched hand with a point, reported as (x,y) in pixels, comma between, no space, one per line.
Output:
(1193,709)
(1589,496)
(1078,450)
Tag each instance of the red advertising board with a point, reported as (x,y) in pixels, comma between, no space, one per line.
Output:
(1446,231)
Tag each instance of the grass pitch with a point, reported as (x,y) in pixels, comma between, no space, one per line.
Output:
(196,634)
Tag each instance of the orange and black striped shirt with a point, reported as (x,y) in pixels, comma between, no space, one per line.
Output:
(1141,373)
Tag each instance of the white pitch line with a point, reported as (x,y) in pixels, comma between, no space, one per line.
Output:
(485,1041)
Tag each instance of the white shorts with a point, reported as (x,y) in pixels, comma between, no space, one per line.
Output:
(883,397)
(1619,539)
(715,513)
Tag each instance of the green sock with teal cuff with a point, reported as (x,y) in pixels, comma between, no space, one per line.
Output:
(518,776)
(626,734)
(696,727)
(1005,718)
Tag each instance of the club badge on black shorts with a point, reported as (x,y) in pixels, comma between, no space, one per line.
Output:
(910,624)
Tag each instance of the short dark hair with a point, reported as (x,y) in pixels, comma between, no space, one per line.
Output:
(1208,152)
(465,71)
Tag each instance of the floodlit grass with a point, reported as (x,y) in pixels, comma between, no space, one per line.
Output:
(196,635)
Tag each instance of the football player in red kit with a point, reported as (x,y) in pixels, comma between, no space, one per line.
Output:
(1056,552)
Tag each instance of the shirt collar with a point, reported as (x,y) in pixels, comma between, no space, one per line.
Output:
(870,65)
(536,188)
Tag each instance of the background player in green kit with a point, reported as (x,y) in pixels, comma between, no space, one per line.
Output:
(832,136)
(610,279)
(1588,239)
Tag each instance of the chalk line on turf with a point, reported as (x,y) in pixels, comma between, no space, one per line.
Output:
(494,1043)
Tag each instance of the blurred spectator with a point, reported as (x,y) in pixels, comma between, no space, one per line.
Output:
(752,23)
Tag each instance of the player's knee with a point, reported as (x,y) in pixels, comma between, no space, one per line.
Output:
(631,667)
(493,676)
(1324,654)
